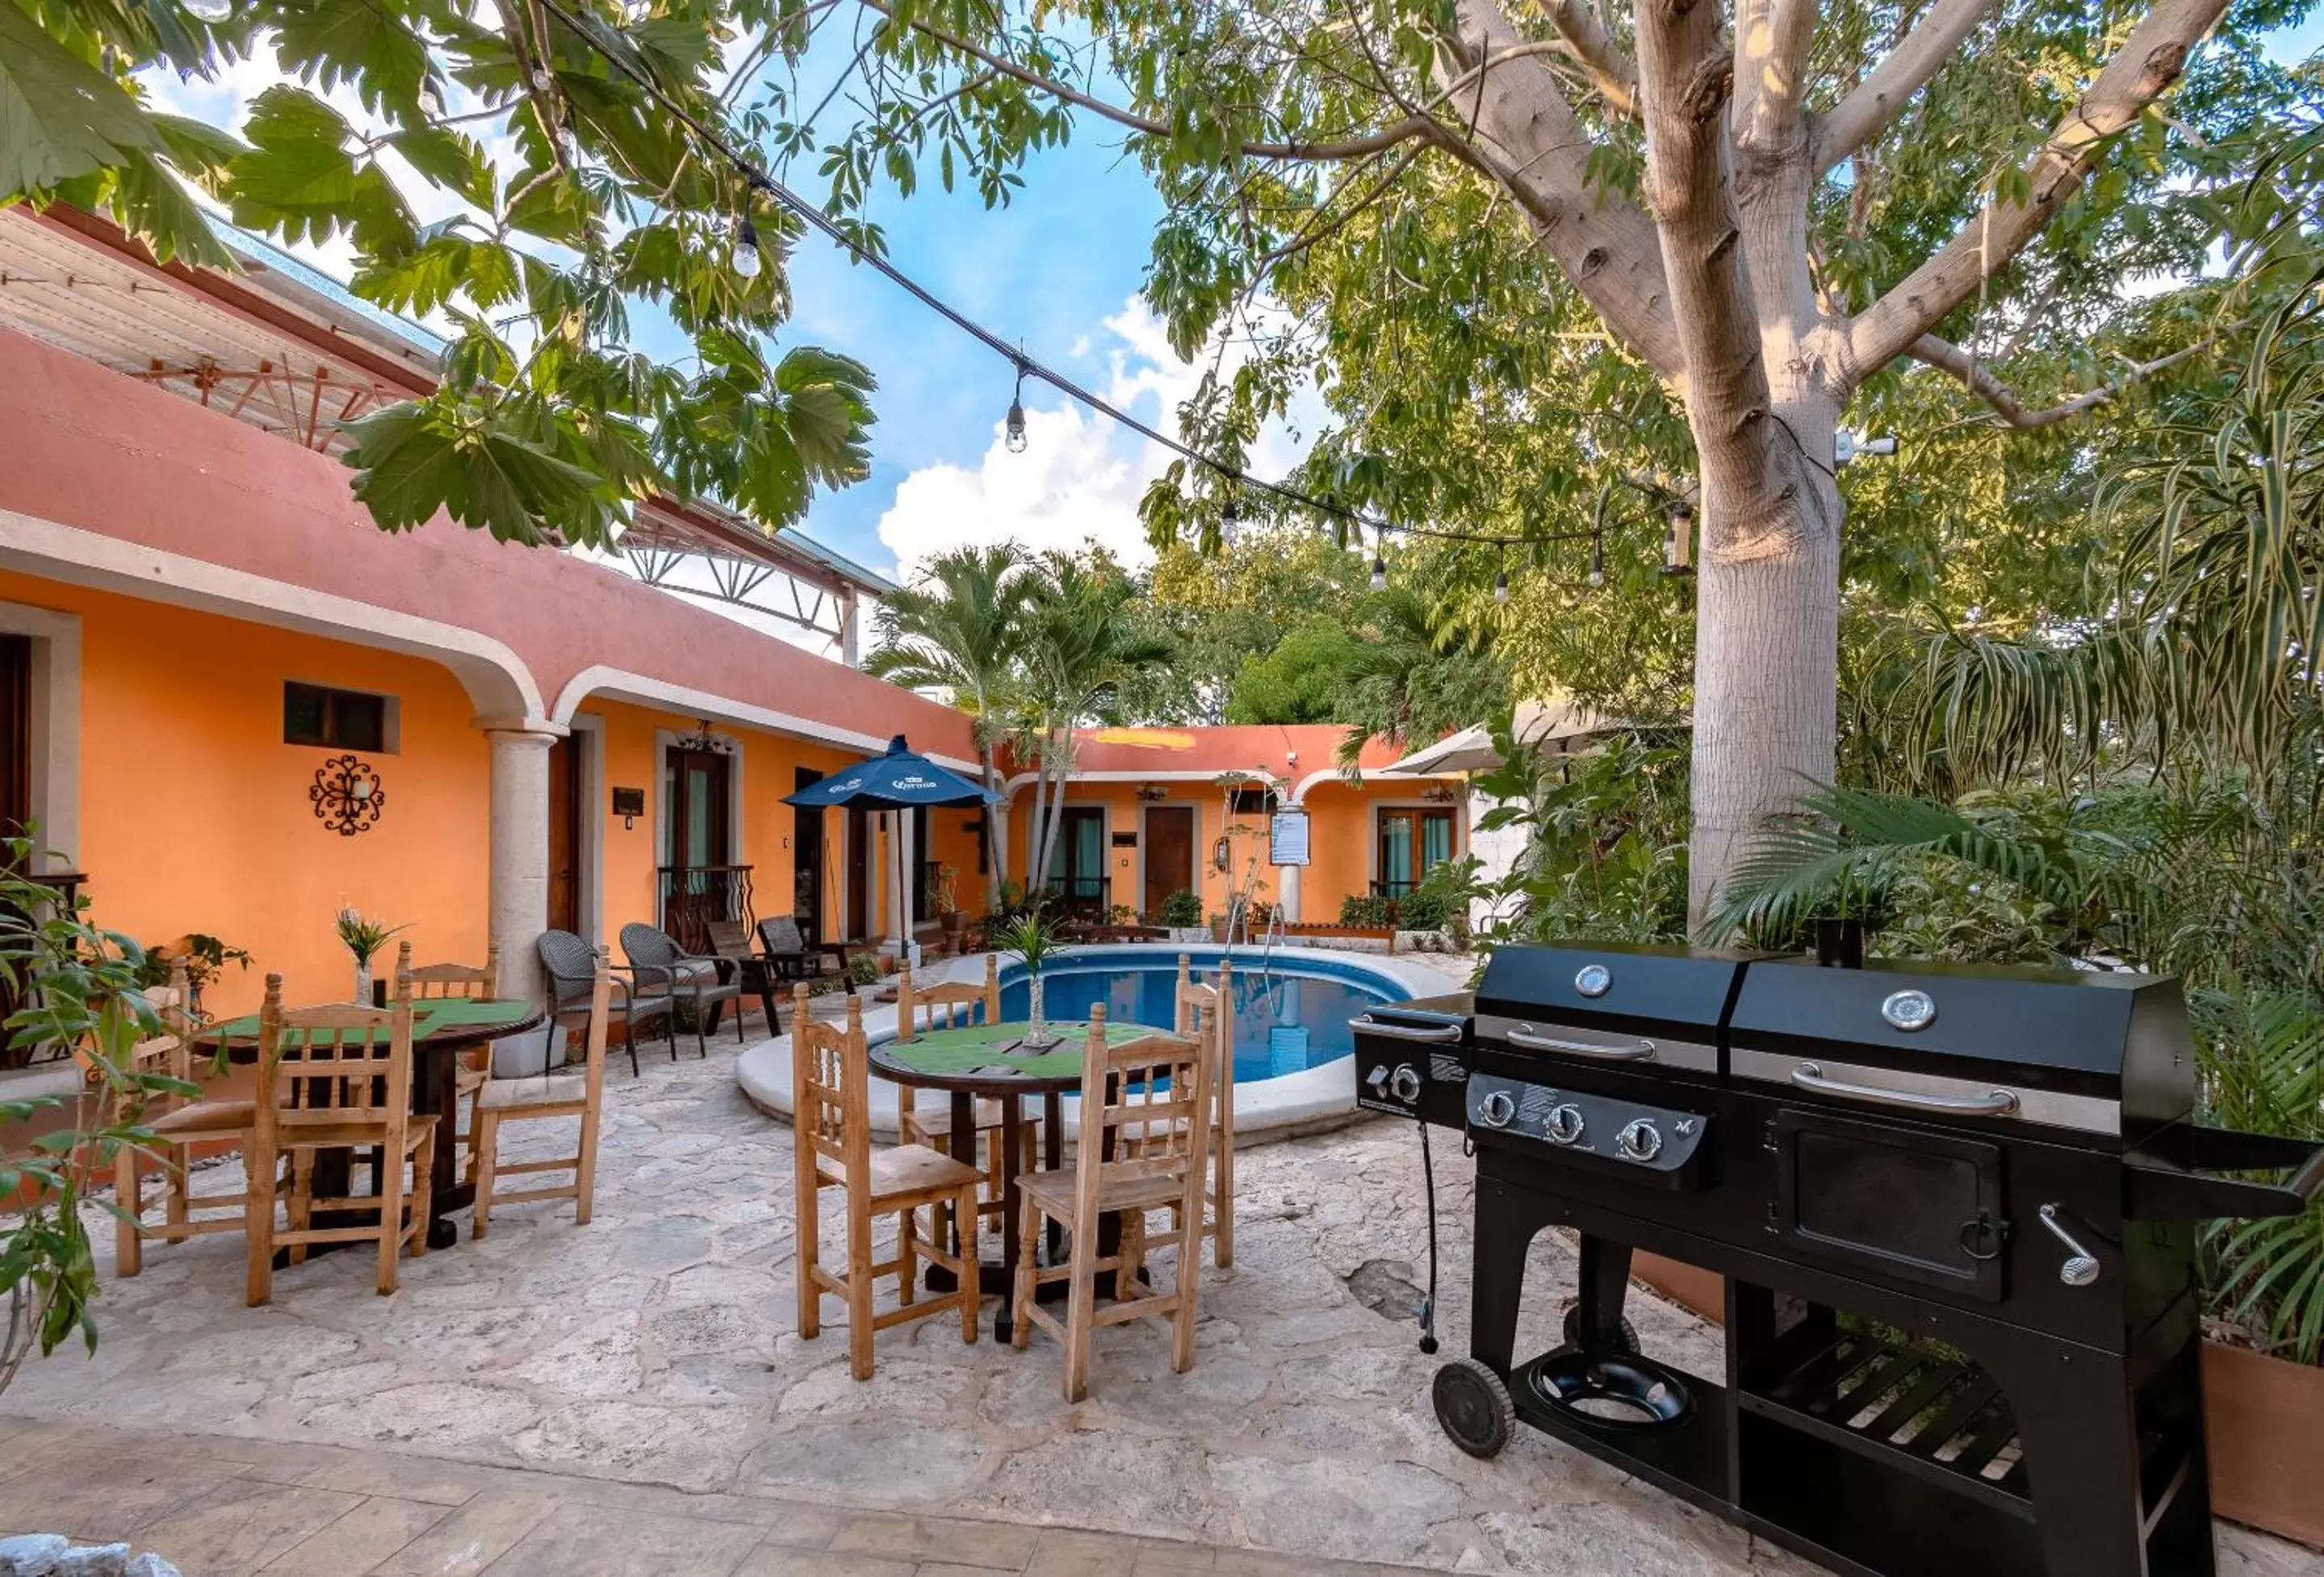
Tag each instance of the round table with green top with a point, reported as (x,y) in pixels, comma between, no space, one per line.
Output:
(442,1027)
(992,1062)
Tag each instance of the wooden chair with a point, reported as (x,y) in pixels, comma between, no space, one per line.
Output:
(336,1078)
(756,976)
(432,983)
(831,1079)
(1200,1009)
(1145,1129)
(178,1123)
(918,1010)
(552,1095)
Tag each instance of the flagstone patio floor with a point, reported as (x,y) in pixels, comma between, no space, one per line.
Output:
(658,1346)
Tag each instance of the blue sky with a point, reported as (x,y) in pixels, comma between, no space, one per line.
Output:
(1059,267)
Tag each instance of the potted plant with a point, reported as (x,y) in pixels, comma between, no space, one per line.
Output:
(1033,940)
(945,897)
(1181,911)
(363,938)
(205,957)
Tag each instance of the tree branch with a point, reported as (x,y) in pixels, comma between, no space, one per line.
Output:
(2146,65)
(1530,144)
(1874,102)
(1978,379)
(1771,70)
(1356,147)
(1591,42)
(1746,472)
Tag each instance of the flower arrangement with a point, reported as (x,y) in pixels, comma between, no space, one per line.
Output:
(363,938)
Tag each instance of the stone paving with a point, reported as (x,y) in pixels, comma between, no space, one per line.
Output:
(658,1346)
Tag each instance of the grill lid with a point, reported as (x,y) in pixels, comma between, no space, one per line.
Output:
(1637,986)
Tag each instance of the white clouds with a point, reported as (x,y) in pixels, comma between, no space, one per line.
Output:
(1080,477)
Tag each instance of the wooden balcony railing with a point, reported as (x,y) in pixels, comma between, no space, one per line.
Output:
(694,895)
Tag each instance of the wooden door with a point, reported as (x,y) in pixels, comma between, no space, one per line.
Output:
(1169,854)
(565,836)
(698,822)
(807,859)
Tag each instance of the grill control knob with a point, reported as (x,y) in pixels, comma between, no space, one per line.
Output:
(1639,1141)
(1563,1124)
(1498,1109)
(1405,1082)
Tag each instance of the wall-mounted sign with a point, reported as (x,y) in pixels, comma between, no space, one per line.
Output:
(1287,842)
(629,804)
(1125,839)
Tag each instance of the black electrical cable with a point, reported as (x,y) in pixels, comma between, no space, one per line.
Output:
(761,180)
(1428,1184)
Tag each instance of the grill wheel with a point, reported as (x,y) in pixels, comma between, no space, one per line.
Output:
(1472,1406)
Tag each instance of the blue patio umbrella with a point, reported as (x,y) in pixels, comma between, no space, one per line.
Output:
(901,780)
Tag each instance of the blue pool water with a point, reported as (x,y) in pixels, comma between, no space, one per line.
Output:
(1283,1023)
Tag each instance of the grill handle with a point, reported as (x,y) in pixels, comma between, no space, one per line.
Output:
(1993,1103)
(1368,1025)
(1644,1051)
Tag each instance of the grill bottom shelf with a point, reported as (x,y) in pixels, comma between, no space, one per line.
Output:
(1939,1419)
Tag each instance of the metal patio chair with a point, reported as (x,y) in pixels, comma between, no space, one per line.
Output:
(657,962)
(571,965)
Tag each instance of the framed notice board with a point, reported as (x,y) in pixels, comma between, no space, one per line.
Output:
(1287,842)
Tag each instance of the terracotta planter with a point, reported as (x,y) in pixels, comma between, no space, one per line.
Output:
(2263,1418)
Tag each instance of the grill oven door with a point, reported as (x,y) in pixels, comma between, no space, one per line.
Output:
(1893,1201)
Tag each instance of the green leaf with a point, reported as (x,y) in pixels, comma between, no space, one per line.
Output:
(60,117)
(151,204)
(300,177)
(469,462)
(456,163)
(362,43)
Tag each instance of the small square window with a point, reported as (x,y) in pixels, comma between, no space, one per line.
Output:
(350,720)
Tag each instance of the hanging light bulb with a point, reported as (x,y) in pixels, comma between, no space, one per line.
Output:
(1379,559)
(1013,430)
(1598,559)
(746,248)
(1501,579)
(1231,515)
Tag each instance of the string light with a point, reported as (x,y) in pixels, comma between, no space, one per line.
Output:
(746,248)
(840,236)
(1013,430)
(1597,559)
(1379,559)
(1230,516)
(1501,579)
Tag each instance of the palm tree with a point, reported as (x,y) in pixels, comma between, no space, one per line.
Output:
(1081,647)
(960,628)
(1421,670)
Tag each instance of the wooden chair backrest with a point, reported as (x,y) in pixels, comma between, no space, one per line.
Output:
(831,1084)
(601,998)
(335,1064)
(957,1001)
(437,981)
(166,1053)
(1202,1009)
(1152,1095)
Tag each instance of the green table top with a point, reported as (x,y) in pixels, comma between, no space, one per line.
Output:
(469,1019)
(986,1047)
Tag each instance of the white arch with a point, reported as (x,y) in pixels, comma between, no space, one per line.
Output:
(496,677)
(602,680)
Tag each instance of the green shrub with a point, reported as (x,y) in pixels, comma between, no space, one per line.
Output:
(1370,911)
(1181,908)
(863,969)
(1423,911)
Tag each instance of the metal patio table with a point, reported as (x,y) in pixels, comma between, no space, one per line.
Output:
(441,1030)
(987,1062)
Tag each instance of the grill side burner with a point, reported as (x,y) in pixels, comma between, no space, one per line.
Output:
(1956,1209)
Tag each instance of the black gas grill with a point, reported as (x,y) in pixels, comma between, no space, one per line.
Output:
(1956,1209)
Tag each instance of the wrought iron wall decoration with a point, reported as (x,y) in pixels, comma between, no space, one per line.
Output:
(348,795)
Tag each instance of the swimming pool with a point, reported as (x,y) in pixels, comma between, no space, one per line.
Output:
(1290,1017)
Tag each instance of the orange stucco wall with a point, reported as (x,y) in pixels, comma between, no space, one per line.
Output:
(194,814)
(1341,836)
(767,770)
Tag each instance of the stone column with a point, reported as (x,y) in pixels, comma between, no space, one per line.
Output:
(1287,884)
(520,849)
